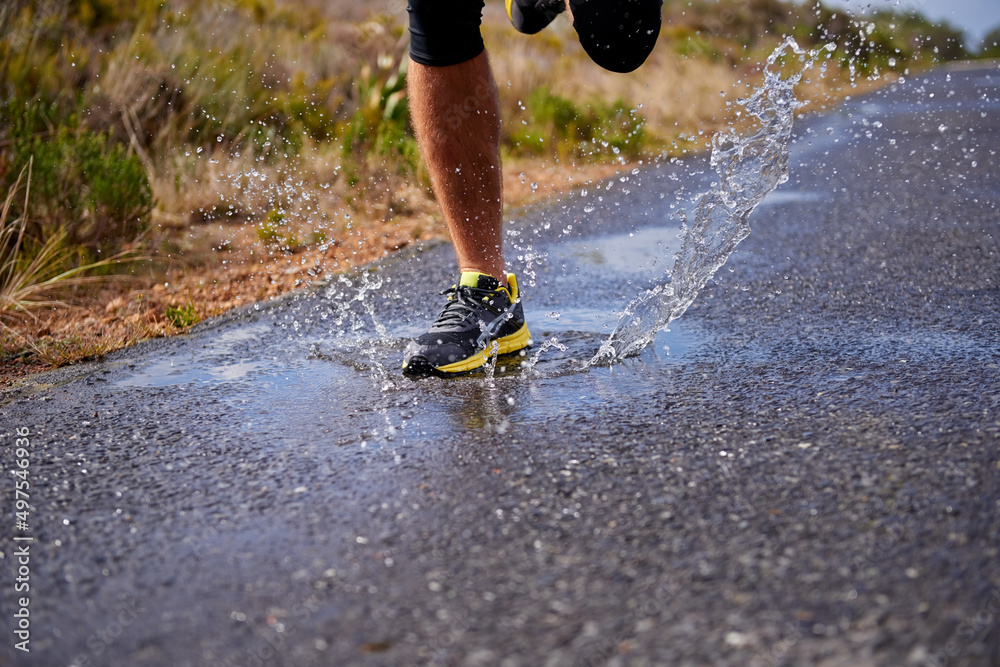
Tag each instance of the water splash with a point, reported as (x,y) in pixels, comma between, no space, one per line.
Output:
(348,318)
(749,168)
(551,342)
(491,362)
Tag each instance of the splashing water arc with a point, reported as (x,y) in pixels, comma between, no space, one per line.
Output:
(750,167)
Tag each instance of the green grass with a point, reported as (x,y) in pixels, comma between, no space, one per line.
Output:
(182,317)
(553,124)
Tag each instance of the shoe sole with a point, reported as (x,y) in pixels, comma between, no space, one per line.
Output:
(514,342)
(522,28)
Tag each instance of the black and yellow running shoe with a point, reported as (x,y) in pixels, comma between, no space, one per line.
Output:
(618,35)
(530,16)
(480,319)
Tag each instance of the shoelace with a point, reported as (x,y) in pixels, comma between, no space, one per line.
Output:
(463,303)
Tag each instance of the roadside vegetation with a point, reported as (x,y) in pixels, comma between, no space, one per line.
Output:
(241,148)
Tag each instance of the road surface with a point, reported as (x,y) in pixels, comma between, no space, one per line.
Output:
(804,470)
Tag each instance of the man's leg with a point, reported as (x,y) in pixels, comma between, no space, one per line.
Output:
(456,116)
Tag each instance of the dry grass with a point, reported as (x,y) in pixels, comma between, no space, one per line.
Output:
(38,281)
(30,281)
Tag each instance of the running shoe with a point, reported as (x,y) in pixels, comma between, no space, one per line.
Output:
(480,319)
(618,35)
(530,16)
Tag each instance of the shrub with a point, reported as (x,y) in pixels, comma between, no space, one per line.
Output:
(380,126)
(556,125)
(92,186)
(990,46)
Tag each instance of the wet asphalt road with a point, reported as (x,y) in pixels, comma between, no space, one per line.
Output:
(810,475)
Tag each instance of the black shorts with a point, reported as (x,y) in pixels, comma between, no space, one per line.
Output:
(617,34)
(445,32)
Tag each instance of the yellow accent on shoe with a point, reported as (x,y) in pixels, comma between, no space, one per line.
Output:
(512,290)
(509,344)
(422,353)
(509,15)
(516,341)
(470,278)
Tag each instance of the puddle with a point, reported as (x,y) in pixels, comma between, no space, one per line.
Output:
(632,254)
(186,369)
(791,196)
(218,361)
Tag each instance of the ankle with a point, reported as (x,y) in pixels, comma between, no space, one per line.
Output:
(501,276)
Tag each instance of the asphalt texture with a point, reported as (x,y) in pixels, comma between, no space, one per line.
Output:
(809,475)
